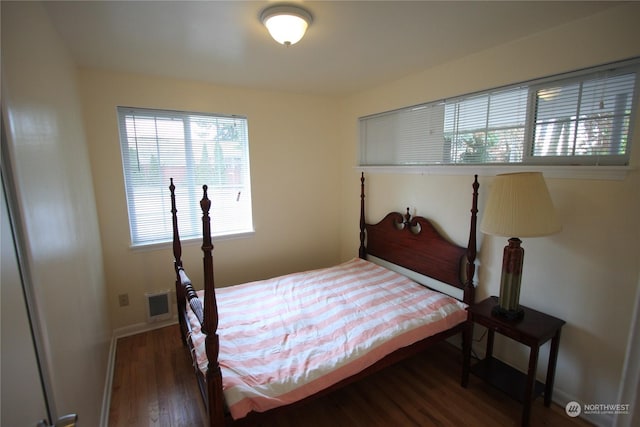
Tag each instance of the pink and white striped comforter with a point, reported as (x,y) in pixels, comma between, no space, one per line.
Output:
(287,338)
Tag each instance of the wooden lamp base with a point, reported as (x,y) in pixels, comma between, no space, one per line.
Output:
(508,303)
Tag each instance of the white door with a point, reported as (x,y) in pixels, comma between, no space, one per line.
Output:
(23,398)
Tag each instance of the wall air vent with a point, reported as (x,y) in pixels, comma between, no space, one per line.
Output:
(158,306)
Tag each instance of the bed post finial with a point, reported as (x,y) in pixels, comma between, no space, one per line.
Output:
(205,203)
(469,289)
(362,252)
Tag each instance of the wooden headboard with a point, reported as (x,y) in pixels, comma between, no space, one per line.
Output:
(415,244)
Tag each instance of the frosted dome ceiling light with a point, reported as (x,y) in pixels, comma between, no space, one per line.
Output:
(286,24)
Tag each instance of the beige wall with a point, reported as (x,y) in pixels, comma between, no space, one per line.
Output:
(294,173)
(49,157)
(588,273)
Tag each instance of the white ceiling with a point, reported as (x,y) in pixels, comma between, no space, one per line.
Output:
(351,45)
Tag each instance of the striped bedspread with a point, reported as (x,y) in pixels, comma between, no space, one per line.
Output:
(287,338)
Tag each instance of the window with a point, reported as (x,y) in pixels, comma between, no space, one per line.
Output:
(580,118)
(584,119)
(194,149)
(486,128)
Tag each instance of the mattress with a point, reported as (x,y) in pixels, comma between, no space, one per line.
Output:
(286,338)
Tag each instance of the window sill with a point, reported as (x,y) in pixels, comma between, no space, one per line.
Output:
(612,173)
(192,241)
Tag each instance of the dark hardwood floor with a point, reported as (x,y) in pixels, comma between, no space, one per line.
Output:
(154,385)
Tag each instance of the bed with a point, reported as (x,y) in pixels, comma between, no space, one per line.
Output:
(264,346)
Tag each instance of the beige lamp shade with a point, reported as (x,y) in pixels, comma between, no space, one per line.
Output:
(519,205)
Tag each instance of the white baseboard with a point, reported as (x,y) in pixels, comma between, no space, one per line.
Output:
(111,364)
(106,398)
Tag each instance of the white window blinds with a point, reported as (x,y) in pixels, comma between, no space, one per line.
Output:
(588,117)
(580,118)
(486,128)
(194,149)
(404,137)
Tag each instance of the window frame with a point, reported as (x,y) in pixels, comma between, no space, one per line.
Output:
(188,203)
(581,77)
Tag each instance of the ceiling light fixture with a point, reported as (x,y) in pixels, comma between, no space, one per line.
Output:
(286,23)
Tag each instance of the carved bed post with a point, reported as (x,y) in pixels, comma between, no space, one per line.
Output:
(177,263)
(469,289)
(362,253)
(212,344)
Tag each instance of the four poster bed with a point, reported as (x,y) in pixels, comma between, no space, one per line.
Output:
(264,346)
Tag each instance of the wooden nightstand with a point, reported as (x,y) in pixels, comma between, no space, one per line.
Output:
(533,330)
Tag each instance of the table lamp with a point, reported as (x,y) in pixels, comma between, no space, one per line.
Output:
(519,204)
